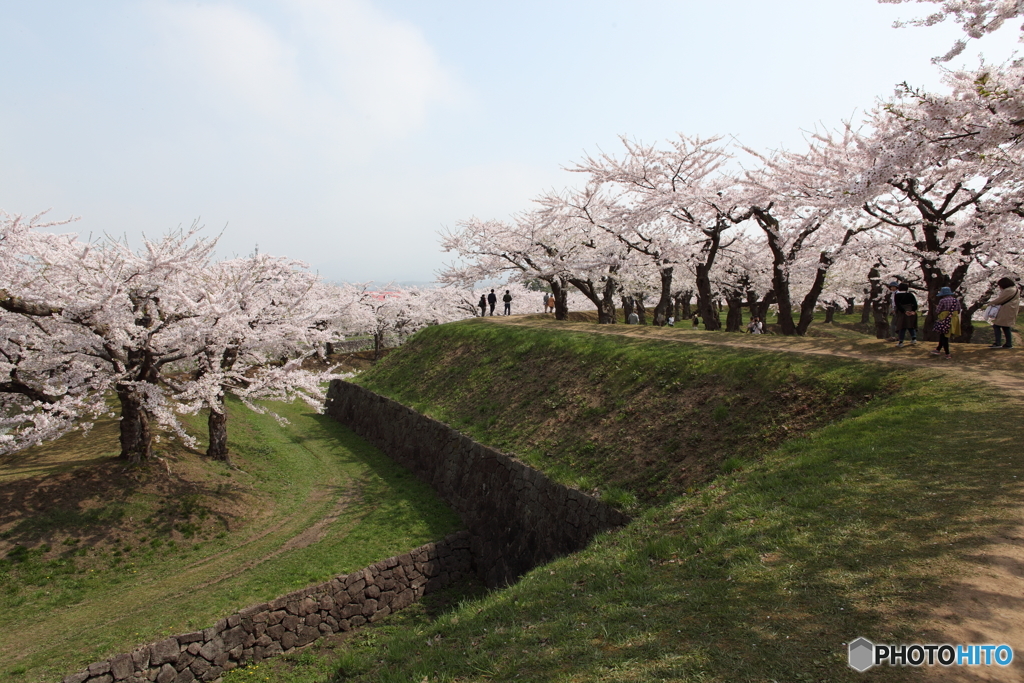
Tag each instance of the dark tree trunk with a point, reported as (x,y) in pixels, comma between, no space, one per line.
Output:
(872,294)
(760,309)
(849,305)
(734,318)
(661,310)
(378,344)
(641,310)
(830,313)
(810,301)
(217,425)
(704,300)
(560,290)
(603,298)
(683,311)
(136,434)
(627,307)
(880,309)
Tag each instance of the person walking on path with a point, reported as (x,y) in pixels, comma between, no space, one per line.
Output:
(1008,302)
(546,299)
(947,320)
(696,322)
(906,313)
(508,302)
(492,299)
(893,289)
(633,319)
(483,305)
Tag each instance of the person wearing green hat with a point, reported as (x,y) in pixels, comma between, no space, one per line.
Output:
(947,320)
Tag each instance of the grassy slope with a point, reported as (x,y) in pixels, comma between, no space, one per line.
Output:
(762,574)
(66,605)
(631,418)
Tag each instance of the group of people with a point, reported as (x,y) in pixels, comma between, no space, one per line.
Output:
(492,301)
(1002,313)
(755,326)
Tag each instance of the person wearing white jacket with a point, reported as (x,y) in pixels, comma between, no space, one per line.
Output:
(1009,303)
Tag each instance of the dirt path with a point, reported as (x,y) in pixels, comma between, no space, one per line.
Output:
(1002,368)
(988,604)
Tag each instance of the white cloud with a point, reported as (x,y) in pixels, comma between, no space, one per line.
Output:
(386,68)
(338,72)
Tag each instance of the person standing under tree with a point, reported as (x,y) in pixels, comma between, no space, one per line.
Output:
(508,302)
(483,305)
(492,299)
(1008,302)
(893,288)
(906,313)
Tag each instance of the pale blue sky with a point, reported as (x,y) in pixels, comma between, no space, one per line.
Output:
(346,133)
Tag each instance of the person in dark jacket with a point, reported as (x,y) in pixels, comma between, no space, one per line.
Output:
(492,299)
(483,305)
(508,302)
(905,305)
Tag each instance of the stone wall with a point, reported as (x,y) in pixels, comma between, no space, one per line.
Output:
(517,517)
(291,621)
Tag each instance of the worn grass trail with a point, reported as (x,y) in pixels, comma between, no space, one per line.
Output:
(322,502)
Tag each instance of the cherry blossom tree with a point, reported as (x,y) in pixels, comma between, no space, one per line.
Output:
(977,17)
(802,204)
(662,201)
(263,317)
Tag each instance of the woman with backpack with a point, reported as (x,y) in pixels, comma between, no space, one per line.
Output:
(947,320)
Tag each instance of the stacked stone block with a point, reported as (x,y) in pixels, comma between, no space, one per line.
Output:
(517,517)
(291,621)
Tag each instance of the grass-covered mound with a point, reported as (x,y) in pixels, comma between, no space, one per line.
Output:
(97,557)
(856,528)
(633,419)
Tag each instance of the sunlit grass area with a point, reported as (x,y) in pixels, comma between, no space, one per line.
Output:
(101,570)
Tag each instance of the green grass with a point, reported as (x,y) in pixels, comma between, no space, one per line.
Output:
(69,606)
(857,528)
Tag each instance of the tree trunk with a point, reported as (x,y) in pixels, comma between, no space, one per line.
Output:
(627,307)
(879,308)
(830,313)
(606,308)
(849,305)
(603,299)
(217,425)
(734,318)
(810,301)
(661,311)
(760,309)
(559,288)
(136,435)
(872,293)
(641,310)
